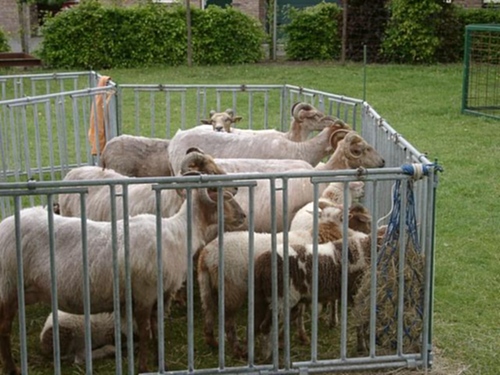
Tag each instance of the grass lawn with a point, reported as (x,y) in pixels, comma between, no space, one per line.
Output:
(423,104)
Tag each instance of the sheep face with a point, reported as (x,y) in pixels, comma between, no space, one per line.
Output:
(234,216)
(222,121)
(355,151)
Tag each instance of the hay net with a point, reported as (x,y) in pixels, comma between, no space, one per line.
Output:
(391,334)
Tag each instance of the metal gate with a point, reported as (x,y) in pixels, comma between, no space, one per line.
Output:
(44,135)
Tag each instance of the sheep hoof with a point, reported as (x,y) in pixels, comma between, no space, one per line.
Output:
(304,340)
(213,343)
(240,353)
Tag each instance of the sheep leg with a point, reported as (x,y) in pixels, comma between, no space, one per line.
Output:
(7,314)
(232,337)
(297,315)
(209,305)
(143,319)
(334,313)
(99,353)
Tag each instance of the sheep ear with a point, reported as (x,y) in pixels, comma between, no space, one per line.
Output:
(181,193)
(337,136)
(310,210)
(227,194)
(356,145)
(206,122)
(237,119)
(322,205)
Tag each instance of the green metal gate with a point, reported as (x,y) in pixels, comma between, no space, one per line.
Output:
(481,88)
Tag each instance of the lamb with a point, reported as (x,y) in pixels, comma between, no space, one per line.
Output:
(236,260)
(300,266)
(351,151)
(35,248)
(305,119)
(222,121)
(254,145)
(136,156)
(72,336)
(333,193)
(141,197)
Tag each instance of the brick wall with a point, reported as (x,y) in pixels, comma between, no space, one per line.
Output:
(255,8)
(469,3)
(9,17)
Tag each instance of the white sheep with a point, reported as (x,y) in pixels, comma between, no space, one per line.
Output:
(35,249)
(351,151)
(305,119)
(253,145)
(137,156)
(141,197)
(300,282)
(333,193)
(236,258)
(72,336)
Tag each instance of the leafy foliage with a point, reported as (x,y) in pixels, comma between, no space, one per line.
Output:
(411,32)
(4,43)
(93,36)
(313,32)
(225,36)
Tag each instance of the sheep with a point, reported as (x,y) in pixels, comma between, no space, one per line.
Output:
(141,199)
(136,156)
(305,119)
(351,151)
(236,271)
(35,248)
(333,193)
(254,145)
(72,336)
(300,266)
(222,121)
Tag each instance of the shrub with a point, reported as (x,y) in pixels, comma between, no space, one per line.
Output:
(225,36)
(313,32)
(93,36)
(4,42)
(411,36)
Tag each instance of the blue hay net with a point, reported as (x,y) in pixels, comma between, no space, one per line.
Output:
(388,259)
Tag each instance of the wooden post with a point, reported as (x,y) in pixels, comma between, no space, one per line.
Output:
(344,32)
(189,39)
(24,20)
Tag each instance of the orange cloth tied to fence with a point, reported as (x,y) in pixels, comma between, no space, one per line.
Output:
(99,116)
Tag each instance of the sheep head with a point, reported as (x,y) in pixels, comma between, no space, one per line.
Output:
(197,160)
(359,218)
(222,120)
(234,216)
(352,151)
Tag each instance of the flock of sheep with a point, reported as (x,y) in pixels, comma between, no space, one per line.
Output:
(225,150)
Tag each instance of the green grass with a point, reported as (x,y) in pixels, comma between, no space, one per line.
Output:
(423,104)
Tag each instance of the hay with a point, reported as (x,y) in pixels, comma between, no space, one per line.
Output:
(387,289)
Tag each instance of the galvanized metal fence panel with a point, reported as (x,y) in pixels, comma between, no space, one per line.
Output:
(44,136)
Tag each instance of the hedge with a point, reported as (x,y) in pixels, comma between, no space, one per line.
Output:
(93,36)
